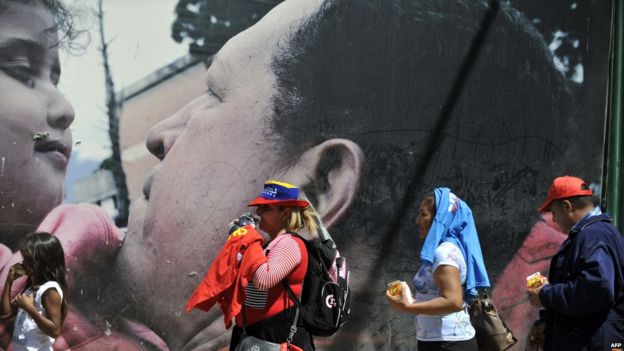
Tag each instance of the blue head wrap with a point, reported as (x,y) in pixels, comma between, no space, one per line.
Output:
(453,222)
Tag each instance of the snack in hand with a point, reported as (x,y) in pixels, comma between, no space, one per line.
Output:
(398,287)
(535,280)
(395,288)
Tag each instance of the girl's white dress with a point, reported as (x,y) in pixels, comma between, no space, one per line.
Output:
(26,335)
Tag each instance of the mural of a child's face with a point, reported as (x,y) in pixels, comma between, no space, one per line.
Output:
(35,140)
(215,155)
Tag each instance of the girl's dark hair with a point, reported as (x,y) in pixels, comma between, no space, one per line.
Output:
(429,200)
(46,258)
(67,31)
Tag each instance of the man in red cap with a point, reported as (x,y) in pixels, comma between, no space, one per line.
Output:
(583,304)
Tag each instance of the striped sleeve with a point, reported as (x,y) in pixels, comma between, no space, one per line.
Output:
(284,256)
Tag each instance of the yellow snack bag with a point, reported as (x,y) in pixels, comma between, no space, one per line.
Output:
(394,288)
(535,280)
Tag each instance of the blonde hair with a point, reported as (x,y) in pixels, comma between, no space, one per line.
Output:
(300,218)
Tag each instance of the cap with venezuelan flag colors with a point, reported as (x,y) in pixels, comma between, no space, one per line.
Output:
(279,194)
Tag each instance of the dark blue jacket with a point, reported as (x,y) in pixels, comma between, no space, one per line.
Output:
(584,302)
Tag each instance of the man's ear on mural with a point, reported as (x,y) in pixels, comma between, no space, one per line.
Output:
(329,174)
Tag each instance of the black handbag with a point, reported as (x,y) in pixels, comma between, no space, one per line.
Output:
(252,343)
(491,332)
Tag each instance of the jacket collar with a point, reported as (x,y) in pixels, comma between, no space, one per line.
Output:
(583,223)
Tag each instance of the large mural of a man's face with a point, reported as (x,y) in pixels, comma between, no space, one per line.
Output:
(216,153)
(341,98)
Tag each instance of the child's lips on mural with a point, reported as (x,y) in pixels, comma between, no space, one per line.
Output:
(57,151)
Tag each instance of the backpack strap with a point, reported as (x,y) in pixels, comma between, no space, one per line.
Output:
(296,235)
(291,293)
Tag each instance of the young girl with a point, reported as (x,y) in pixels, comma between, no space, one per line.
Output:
(41,307)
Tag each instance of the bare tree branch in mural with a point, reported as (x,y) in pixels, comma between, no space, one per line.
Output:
(112,107)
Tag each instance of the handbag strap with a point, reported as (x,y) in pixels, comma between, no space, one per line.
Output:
(291,294)
(484,299)
(484,293)
(293,327)
(244,321)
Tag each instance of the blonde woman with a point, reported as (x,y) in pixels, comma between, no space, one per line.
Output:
(268,312)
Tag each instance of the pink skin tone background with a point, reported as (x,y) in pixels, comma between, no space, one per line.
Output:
(89,239)
(509,294)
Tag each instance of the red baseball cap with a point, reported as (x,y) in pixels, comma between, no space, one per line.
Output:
(565,187)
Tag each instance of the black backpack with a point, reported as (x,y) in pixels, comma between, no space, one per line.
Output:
(324,305)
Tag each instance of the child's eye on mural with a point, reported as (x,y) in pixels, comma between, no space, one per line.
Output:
(21,72)
(55,76)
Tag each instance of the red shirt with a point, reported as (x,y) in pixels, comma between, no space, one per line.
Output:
(229,273)
(287,258)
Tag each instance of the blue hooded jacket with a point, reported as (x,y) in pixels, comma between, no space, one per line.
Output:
(584,301)
(453,222)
